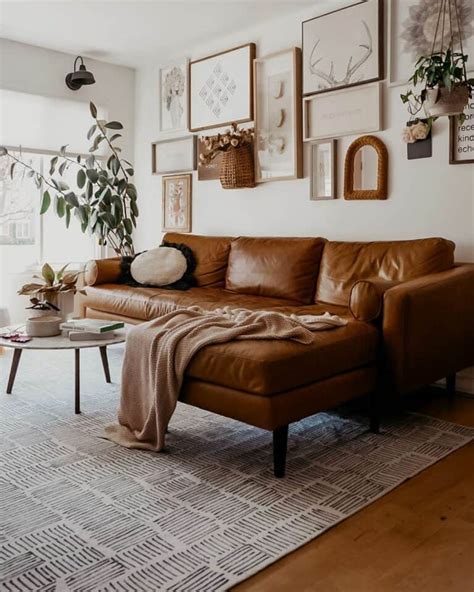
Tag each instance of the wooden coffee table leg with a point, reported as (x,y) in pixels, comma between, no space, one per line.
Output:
(105,362)
(13,369)
(77,375)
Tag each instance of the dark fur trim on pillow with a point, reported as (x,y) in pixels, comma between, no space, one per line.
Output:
(187,281)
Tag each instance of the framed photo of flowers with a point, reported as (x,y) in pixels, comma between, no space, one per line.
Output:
(177,193)
(278,145)
(221,89)
(174,97)
(343,48)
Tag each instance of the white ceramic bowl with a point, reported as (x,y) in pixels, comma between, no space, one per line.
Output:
(44,326)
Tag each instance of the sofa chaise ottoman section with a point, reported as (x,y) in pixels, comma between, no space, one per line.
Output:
(268,367)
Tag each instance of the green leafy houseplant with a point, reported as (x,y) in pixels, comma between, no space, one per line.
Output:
(104,200)
(446,88)
(51,285)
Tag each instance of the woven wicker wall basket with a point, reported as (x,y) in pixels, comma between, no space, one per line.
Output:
(237,169)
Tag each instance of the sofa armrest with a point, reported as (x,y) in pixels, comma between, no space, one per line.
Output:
(102,271)
(428,327)
(366,298)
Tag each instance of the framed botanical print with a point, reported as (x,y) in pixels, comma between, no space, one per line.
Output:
(177,192)
(210,171)
(346,112)
(175,155)
(173,97)
(323,181)
(221,89)
(461,137)
(412,25)
(278,145)
(343,48)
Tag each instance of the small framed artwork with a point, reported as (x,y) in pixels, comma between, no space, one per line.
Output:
(411,26)
(343,48)
(211,171)
(174,97)
(343,113)
(221,89)
(174,155)
(461,137)
(177,192)
(278,146)
(323,181)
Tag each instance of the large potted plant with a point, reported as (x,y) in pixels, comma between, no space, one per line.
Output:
(104,200)
(446,88)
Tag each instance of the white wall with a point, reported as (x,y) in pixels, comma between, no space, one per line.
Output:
(427,197)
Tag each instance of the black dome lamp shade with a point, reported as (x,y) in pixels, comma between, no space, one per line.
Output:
(76,79)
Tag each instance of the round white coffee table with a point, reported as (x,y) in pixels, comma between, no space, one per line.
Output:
(61,342)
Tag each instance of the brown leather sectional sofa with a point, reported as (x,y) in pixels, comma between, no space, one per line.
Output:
(410,310)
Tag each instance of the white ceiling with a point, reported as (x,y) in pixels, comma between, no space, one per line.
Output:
(133,31)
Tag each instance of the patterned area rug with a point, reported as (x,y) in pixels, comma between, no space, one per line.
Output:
(79,513)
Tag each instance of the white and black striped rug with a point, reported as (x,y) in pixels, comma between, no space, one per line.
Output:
(79,513)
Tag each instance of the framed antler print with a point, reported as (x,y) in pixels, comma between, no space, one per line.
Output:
(343,48)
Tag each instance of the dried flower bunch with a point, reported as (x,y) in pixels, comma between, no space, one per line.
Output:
(232,138)
(418,131)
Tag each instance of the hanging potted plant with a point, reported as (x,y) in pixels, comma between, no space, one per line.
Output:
(237,167)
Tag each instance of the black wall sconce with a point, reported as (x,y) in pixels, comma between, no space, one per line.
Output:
(78,78)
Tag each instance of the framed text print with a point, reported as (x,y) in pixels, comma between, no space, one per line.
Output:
(278,146)
(346,112)
(461,136)
(174,97)
(343,48)
(221,89)
(177,191)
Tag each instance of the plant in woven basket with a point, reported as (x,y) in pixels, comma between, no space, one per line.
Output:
(237,167)
(104,200)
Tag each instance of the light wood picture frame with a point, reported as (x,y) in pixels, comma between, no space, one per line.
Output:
(343,48)
(345,112)
(461,135)
(173,97)
(177,207)
(174,155)
(381,191)
(323,170)
(220,88)
(277,112)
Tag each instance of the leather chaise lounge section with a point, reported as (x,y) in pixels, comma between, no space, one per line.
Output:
(410,312)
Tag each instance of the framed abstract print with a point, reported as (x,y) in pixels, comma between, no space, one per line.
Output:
(323,179)
(175,155)
(278,145)
(221,89)
(412,25)
(345,112)
(177,192)
(343,48)
(174,97)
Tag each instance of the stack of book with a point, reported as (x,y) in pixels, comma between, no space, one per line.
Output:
(90,329)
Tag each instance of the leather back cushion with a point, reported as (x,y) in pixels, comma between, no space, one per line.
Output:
(211,254)
(343,263)
(275,267)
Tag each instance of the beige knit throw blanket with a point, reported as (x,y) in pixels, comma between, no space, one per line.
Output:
(158,352)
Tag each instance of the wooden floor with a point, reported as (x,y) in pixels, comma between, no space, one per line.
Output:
(418,538)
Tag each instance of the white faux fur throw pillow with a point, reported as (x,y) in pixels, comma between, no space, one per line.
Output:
(159,267)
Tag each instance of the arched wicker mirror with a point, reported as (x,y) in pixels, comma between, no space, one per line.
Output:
(366,169)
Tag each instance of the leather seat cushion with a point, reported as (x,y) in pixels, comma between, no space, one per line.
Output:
(148,303)
(275,267)
(267,367)
(343,263)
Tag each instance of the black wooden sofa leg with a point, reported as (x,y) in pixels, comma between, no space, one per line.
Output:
(280,441)
(374,411)
(451,384)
